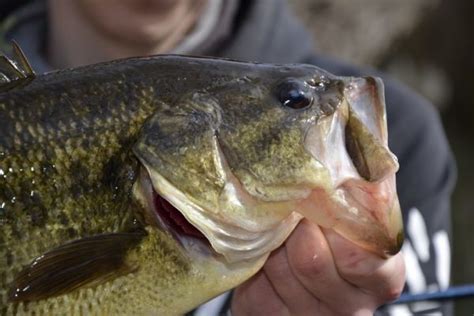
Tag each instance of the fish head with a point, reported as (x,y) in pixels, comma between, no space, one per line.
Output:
(246,157)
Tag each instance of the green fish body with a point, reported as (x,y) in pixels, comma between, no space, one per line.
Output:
(150,185)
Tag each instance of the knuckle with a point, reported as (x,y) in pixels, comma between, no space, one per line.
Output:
(310,266)
(277,273)
(391,293)
(277,266)
(250,305)
(395,280)
(272,309)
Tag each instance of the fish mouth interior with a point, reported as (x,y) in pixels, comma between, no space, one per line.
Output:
(172,218)
(162,214)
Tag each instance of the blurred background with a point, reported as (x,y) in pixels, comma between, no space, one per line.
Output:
(429,45)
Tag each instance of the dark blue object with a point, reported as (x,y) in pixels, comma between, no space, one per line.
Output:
(453,292)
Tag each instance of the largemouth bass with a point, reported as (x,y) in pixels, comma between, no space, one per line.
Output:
(150,185)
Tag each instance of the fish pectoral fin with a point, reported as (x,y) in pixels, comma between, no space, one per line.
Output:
(85,262)
(15,72)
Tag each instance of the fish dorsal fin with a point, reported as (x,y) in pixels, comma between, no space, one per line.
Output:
(84,262)
(15,72)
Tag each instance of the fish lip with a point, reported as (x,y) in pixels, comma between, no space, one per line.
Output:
(146,194)
(381,207)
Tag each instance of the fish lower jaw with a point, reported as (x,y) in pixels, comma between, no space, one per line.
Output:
(368,214)
(198,229)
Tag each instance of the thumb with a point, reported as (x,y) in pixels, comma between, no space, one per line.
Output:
(384,278)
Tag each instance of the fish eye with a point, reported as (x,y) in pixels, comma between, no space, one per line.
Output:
(294,94)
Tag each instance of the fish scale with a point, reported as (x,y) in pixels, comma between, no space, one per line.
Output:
(69,163)
(61,160)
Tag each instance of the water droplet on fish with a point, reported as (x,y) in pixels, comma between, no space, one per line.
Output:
(3,213)
(37,260)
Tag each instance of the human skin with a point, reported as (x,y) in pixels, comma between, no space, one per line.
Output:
(88,31)
(316,272)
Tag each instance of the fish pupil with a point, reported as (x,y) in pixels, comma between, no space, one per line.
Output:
(294,94)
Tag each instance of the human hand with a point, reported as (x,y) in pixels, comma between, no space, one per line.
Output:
(318,272)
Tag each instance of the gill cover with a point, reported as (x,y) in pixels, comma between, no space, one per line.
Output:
(180,150)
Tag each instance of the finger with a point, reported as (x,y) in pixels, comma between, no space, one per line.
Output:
(382,278)
(311,261)
(257,297)
(293,294)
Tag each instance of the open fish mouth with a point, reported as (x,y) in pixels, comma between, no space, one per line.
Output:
(361,203)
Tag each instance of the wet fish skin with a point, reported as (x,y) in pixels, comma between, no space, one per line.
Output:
(72,148)
(67,171)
